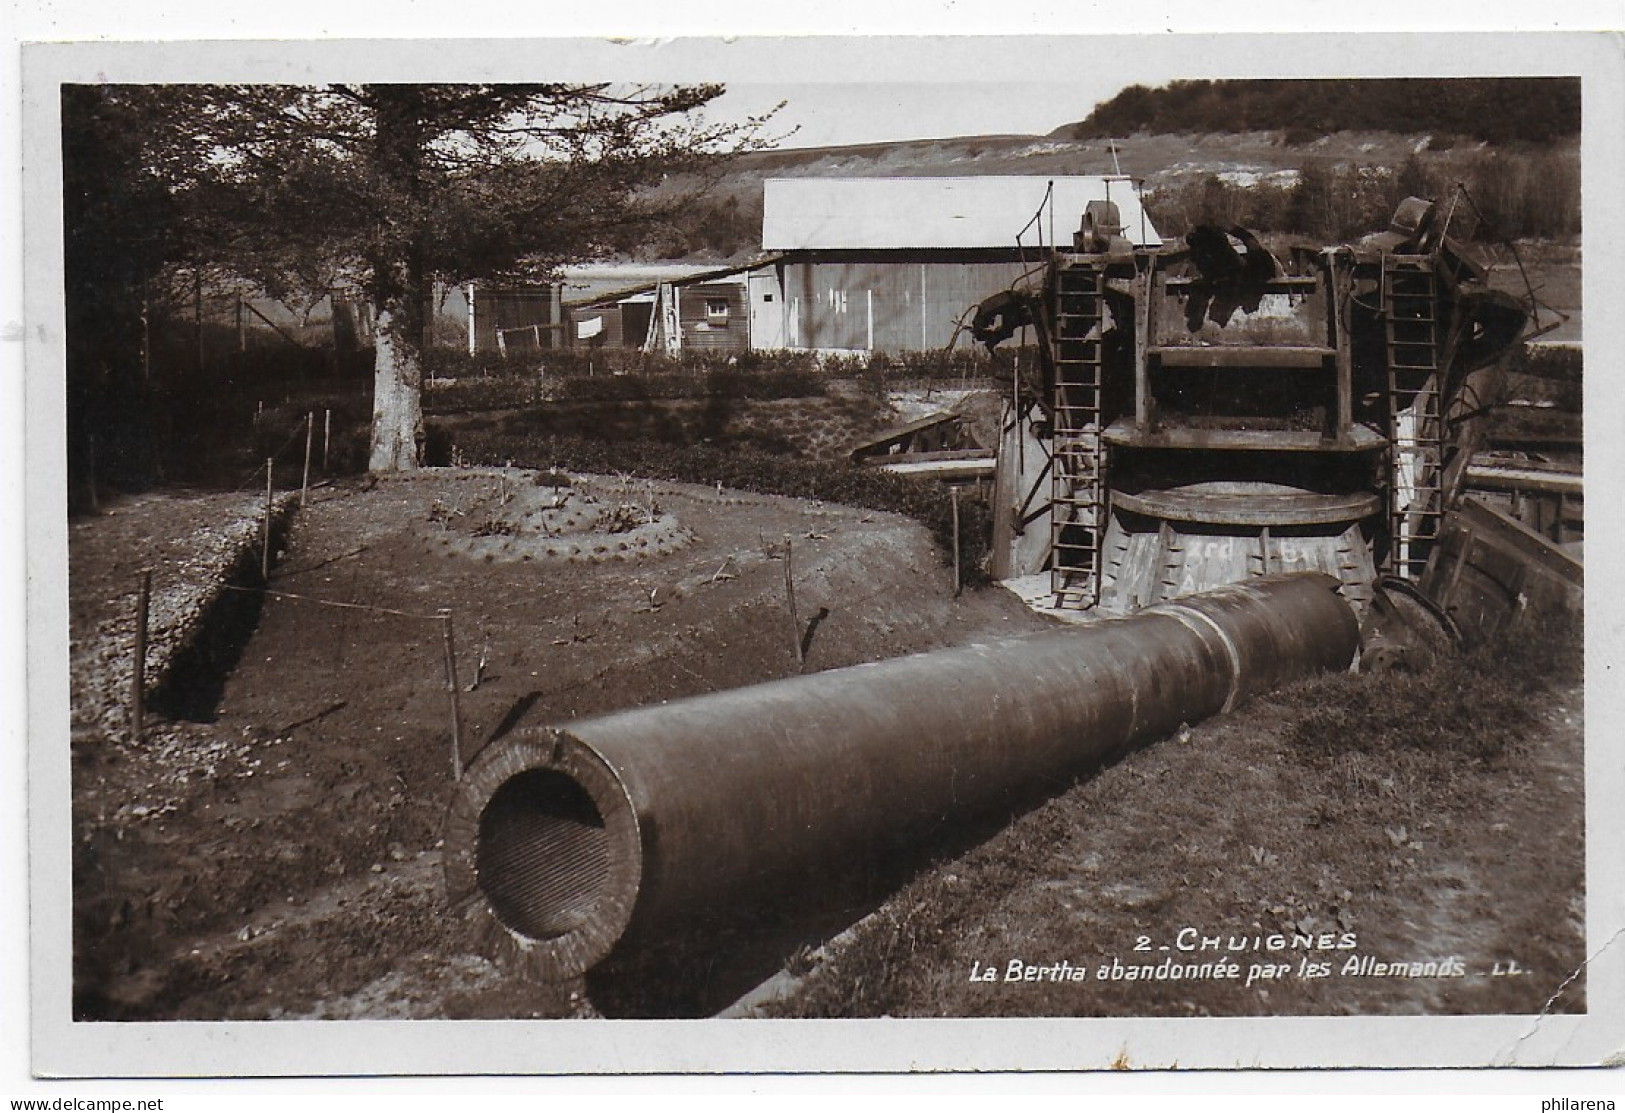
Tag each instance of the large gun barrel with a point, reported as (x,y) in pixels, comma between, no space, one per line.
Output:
(562,839)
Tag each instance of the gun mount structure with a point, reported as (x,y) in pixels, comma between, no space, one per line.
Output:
(1205,413)
(563,840)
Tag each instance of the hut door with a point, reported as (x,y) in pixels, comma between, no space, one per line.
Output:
(766,313)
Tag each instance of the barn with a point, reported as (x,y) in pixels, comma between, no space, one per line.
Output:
(892,264)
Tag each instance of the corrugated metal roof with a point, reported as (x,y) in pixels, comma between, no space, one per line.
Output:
(833,214)
(677,274)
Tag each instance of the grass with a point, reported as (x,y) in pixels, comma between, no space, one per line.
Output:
(1475,706)
(1417,812)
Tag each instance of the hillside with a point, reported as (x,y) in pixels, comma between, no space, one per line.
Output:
(1528,191)
(1495,110)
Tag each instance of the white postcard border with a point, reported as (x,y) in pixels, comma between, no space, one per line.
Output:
(62,1047)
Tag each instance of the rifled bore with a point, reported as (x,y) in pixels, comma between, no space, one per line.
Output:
(543,854)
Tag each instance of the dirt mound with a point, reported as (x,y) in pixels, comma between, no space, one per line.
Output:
(283,858)
(512,514)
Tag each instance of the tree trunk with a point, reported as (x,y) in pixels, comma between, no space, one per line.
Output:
(398,280)
(397,393)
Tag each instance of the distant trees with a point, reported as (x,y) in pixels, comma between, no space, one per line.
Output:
(1496,110)
(1525,194)
(715,228)
(389,188)
(1526,183)
(1514,194)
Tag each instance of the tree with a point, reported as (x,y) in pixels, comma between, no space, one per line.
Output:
(118,232)
(395,187)
(1496,109)
(1412,181)
(1308,208)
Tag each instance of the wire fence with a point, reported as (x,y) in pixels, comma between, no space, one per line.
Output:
(308,431)
(253,477)
(487,627)
(564,630)
(436,617)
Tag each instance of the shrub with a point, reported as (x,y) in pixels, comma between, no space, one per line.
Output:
(756,376)
(1519,192)
(1477,705)
(1548,362)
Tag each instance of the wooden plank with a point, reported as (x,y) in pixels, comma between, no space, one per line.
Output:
(1512,535)
(1282,284)
(1143,287)
(1286,357)
(1340,284)
(961,468)
(1557,440)
(934,454)
(1359,439)
(1262,508)
(1524,479)
(881,444)
(1491,569)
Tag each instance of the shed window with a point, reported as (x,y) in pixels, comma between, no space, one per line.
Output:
(716,310)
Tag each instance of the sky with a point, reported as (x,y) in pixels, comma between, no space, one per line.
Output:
(851,91)
(825,114)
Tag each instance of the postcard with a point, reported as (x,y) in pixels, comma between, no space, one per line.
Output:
(822,554)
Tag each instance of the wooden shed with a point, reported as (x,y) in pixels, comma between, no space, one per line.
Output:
(892,264)
(518,318)
(621,323)
(710,311)
(713,315)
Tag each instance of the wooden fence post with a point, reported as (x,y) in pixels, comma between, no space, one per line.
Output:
(456,702)
(790,595)
(265,530)
(304,483)
(953,493)
(138,682)
(327,436)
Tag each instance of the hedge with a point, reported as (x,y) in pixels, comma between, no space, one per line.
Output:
(460,383)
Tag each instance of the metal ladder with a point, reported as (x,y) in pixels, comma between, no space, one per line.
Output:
(1410,306)
(1077,505)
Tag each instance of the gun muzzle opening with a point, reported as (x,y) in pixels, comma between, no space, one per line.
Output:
(543,854)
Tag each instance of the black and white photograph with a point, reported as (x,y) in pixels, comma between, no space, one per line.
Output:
(1077,568)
